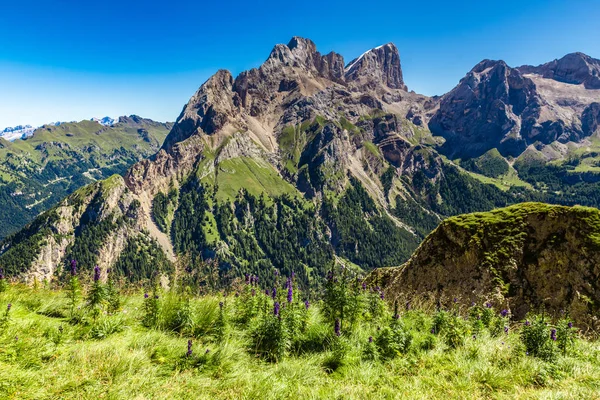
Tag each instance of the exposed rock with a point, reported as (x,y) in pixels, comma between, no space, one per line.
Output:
(574,68)
(380,65)
(527,256)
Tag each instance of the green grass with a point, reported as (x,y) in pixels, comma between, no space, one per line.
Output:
(37,362)
(256,177)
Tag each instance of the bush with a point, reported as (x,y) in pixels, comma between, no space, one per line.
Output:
(536,336)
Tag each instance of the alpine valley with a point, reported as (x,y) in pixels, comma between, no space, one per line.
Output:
(303,162)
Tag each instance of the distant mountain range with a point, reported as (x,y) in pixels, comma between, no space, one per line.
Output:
(52,161)
(25,131)
(309,160)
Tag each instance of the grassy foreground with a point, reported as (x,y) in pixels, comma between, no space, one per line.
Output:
(47,354)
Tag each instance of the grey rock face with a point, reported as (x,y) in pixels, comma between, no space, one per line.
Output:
(574,68)
(378,65)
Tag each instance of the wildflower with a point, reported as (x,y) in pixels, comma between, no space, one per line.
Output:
(527,323)
(247,278)
(267,292)
(553,334)
(504,313)
(570,325)
(381,295)
(293,274)
(145,295)
(364,286)
(73,267)
(221,305)
(276,309)
(338,328)
(488,305)
(207,351)
(96,273)
(396,316)
(189,351)
(1,273)
(433,331)
(455,299)
(472,304)
(330,275)
(156,297)
(306,304)
(370,339)
(274,293)
(506,330)
(290,294)
(276,272)
(8,307)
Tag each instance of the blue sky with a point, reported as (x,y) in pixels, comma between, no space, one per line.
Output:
(70,60)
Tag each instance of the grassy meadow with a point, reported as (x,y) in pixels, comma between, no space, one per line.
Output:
(91,341)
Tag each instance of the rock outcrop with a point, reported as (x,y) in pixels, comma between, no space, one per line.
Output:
(527,257)
(574,68)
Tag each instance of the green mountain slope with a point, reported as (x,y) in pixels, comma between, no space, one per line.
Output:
(37,172)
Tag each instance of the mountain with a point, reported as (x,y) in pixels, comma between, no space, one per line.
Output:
(17,132)
(528,256)
(299,163)
(56,159)
(510,109)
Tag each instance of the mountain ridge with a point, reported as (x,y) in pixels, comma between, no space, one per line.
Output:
(248,156)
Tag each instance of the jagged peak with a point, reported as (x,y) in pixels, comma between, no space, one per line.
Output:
(380,64)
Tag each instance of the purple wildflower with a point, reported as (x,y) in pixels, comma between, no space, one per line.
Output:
(455,300)
(370,339)
(73,267)
(276,272)
(306,304)
(381,296)
(570,325)
(96,273)
(338,327)
(247,278)
(504,313)
(364,286)
(433,331)
(274,293)
(1,273)
(207,351)
(145,295)
(189,351)
(276,309)
(290,293)
(8,307)
(527,323)
(506,330)
(221,305)
(396,316)
(156,297)
(267,292)
(553,334)
(488,305)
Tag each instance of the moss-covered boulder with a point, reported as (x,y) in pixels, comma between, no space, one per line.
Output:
(528,257)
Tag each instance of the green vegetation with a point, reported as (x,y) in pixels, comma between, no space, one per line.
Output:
(247,344)
(37,172)
(365,235)
(163,207)
(490,164)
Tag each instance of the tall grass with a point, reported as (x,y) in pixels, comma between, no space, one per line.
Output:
(44,354)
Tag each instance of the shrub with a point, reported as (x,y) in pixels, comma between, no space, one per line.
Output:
(536,336)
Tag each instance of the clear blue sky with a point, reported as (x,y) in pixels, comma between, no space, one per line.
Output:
(70,60)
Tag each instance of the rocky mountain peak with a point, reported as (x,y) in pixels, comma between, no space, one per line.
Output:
(574,68)
(209,109)
(376,66)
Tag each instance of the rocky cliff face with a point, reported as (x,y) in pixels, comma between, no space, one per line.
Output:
(509,109)
(574,68)
(525,257)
